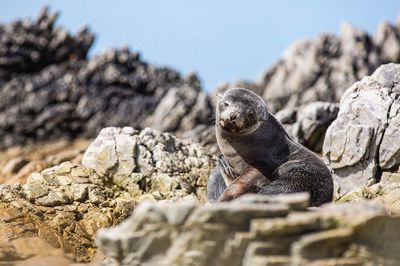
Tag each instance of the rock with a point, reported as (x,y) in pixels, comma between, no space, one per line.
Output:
(65,95)
(322,68)
(308,123)
(19,162)
(363,141)
(67,204)
(387,194)
(253,230)
(29,46)
(150,161)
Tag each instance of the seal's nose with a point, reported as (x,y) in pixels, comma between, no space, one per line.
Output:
(232,116)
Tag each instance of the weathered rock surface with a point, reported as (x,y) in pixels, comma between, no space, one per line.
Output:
(253,230)
(150,161)
(28,46)
(65,205)
(63,98)
(363,141)
(19,162)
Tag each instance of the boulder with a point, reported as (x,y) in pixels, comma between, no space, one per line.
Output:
(362,142)
(159,163)
(253,230)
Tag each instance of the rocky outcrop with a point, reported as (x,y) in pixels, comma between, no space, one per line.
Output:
(150,161)
(65,205)
(362,143)
(28,46)
(63,98)
(322,68)
(253,230)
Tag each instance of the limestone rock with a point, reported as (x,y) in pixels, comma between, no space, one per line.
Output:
(253,230)
(363,141)
(157,163)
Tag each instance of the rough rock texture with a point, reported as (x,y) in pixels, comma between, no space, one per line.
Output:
(19,162)
(363,141)
(387,195)
(322,68)
(28,46)
(253,230)
(65,205)
(150,161)
(63,98)
(308,123)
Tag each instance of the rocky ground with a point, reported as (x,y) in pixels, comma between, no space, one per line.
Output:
(87,141)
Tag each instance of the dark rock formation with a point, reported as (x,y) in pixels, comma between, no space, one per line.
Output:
(62,98)
(363,142)
(28,46)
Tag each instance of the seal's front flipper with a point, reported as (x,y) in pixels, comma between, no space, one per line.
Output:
(226,170)
(251,181)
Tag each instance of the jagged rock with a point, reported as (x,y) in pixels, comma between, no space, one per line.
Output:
(253,230)
(28,46)
(159,163)
(308,123)
(322,68)
(363,141)
(65,205)
(62,98)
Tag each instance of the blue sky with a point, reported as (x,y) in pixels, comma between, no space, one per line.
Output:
(222,40)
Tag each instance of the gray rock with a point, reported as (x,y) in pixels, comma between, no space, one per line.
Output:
(363,141)
(252,231)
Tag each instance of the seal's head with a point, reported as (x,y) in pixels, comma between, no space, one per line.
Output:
(240,111)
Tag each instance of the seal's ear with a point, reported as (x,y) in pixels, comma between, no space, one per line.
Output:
(219,95)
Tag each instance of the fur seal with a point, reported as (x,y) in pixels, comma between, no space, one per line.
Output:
(258,156)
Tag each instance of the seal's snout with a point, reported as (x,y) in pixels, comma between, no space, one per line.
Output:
(232,116)
(231,121)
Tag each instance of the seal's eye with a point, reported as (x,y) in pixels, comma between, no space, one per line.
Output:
(225,104)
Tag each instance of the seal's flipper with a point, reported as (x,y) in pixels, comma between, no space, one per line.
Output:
(215,185)
(250,181)
(226,170)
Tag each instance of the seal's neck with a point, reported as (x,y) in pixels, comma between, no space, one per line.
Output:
(265,148)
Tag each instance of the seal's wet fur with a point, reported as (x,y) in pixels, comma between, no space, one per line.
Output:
(259,156)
